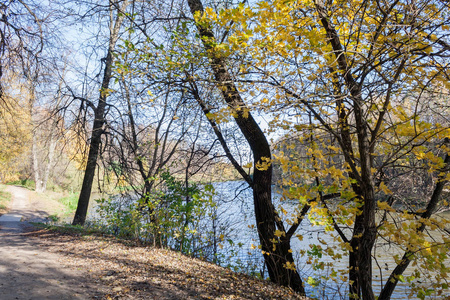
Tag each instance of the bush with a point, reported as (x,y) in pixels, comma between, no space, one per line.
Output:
(171,217)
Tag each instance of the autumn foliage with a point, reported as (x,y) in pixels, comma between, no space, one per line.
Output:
(360,89)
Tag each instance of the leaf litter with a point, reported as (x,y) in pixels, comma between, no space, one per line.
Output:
(124,269)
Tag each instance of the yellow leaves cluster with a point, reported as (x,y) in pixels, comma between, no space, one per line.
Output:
(15,127)
(264,163)
(384,206)
(78,148)
(290,266)
(383,188)
(279,233)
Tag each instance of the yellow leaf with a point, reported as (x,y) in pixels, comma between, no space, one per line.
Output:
(383,205)
(249,165)
(279,233)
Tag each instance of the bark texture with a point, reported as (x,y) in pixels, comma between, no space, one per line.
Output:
(364,231)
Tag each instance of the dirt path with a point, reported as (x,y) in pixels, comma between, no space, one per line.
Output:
(26,271)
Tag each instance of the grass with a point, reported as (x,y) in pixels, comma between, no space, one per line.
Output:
(69,229)
(77,230)
(26,183)
(5,199)
(70,202)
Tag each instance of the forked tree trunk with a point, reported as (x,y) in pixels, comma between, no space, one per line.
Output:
(276,255)
(364,231)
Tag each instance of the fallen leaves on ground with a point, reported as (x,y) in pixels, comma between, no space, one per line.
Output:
(125,271)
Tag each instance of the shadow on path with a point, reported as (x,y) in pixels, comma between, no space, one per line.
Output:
(27,272)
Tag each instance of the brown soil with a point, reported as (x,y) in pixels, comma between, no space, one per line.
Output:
(29,272)
(127,271)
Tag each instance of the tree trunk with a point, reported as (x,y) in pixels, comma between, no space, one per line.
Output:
(50,156)
(34,140)
(97,129)
(99,121)
(276,255)
(364,231)
(36,170)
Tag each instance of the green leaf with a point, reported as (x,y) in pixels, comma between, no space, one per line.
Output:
(313,282)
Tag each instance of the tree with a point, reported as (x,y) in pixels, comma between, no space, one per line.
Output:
(15,130)
(27,31)
(148,143)
(365,72)
(44,145)
(117,15)
(21,34)
(178,62)
(278,256)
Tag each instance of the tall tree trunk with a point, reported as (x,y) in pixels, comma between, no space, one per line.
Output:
(99,121)
(50,157)
(36,169)
(364,231)
(276,255)
(34,140)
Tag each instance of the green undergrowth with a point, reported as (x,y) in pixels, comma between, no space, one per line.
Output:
(26,183)
(5,199)
(70,202)
(77,230)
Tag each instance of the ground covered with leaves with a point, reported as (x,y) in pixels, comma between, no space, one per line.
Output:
(125,270)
